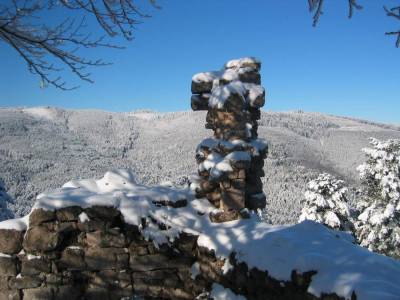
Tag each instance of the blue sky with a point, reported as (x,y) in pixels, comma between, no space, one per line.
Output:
(342,67)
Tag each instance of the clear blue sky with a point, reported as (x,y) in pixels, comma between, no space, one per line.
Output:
(342,67)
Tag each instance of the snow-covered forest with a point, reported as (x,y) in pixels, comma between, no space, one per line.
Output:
(42,148)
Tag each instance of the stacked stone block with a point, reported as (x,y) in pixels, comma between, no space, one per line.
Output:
(91,253)
(231,163)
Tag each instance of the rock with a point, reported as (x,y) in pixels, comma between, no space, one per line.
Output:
(42,293)
(106,258)
(150,288)
(207,186)
(68,292)
(199,102)
(11,241)
(256,201)
(10,295)
(226,216)
(67,227)
(93,225)
(24,282)
(103,213)
(35,266)
(117,282)
(177,293)
(3,283)
(249,75)
(186,243)
(237,174)
(233,199)
(202,83)
(72,258)
(54,279)
(68,214)
(8,266)
(253,185)
(302,280)
(96,293)
(148,262)
(175,204)
(39,216)
(138,250)
(246,62)
(108,238)
(158,261)
(41,239)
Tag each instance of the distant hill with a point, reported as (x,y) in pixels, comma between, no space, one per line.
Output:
(41,148)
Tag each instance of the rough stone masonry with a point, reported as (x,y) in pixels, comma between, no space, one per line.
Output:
(76,253)
(230,165)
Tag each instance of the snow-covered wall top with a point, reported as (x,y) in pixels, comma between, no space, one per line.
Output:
(342,267)
(239,80)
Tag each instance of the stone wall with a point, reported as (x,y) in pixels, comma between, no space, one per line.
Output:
(231,163)
(75,253)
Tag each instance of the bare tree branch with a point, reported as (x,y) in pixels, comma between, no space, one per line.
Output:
(49,49)
(315,6)
(353,4)
(394,12)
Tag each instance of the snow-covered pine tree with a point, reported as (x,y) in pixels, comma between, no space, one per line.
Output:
(325,202)
(378,225)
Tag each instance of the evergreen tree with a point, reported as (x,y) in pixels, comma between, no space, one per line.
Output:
(378,225)
(325,202)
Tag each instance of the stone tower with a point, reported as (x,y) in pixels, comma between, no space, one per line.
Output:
(230,165)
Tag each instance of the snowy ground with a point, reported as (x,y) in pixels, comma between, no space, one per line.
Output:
(342,267)
(41,148)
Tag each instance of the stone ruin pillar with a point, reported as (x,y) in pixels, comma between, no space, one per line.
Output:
(230,165)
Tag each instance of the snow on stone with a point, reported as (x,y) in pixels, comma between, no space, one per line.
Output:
(256,95)
(233,144)
(32,257)
(242,62)
(218,164)
(227,266)
(230,75)
(83,217)
(209,143)
(238,156)
(341,266)
(205,76)
(218,292)
(221,94)
(257,145)
(16,224)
